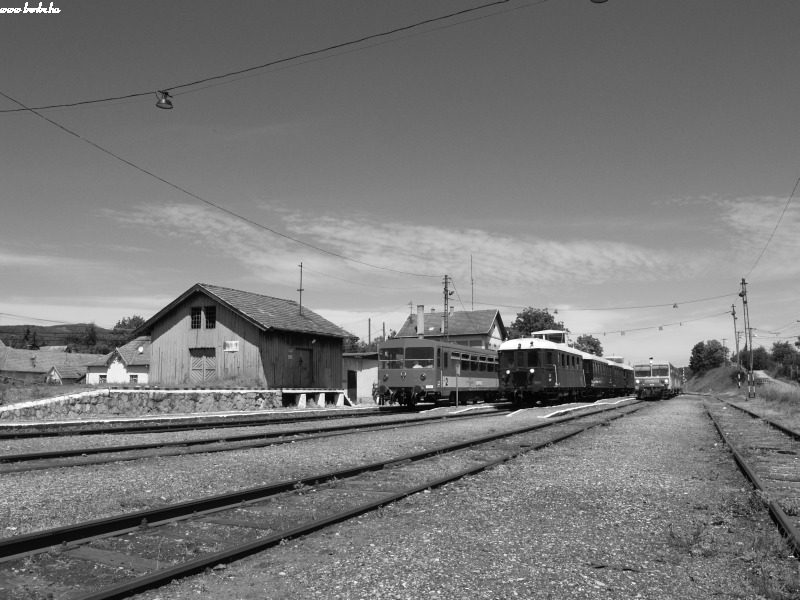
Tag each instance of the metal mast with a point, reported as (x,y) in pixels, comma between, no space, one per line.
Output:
(748,331)
(735,333)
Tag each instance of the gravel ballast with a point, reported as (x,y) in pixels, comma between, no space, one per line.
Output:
(650,506)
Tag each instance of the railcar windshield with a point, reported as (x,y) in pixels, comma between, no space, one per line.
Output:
(419,358)
(660,371)
(391,358)
(641,371)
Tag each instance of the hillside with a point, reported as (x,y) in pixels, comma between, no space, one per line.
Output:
(57,335)
(718,381)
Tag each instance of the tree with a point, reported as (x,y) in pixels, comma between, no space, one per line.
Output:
(697,360)
(533,319)
(784,353)
(90,335)
(590,344)
(716,354)
(760,359)
(129,324)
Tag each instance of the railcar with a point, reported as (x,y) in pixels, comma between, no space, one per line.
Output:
(412,370)
(537,369)
(657,379)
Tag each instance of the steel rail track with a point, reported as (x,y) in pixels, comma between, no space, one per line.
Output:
(162,576)
(184,447)
(782,428)
(44,429)
(39,541)
(777,513)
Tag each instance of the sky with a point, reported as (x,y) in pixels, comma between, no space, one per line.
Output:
(608,161)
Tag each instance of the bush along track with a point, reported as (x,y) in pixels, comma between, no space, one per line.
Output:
(121,556)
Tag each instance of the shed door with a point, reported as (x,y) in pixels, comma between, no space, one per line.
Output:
(352,385)
(302,368)
(204,364)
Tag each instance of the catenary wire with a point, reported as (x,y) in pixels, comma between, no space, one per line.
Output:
(291,58)
(208,202)
(774,230)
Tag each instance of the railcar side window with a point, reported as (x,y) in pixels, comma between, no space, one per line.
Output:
(391,358)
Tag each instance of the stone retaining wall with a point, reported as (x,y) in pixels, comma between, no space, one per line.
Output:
(135,402)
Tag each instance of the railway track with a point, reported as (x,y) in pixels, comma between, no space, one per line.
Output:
(169,424)
(769,456)
(94,455)
(127,554)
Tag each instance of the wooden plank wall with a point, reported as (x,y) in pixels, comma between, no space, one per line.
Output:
(173,336)
(262,356)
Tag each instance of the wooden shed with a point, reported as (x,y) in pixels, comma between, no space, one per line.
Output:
(217,334)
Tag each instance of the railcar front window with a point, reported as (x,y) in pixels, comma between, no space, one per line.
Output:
(391,358)
(533,358)
(641,371)
(661,371)
(419,358)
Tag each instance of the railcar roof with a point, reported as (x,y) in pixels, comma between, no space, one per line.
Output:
(536,343)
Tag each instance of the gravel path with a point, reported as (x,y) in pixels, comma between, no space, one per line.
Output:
(650,506)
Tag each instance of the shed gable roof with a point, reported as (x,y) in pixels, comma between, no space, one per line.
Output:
(265,312)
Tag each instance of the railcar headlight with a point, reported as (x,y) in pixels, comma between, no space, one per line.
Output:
(637,381)
(422,376)
(386,377)
(508,372)
(531,371)
(666,382)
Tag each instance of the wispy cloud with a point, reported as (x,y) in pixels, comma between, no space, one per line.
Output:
(508,261)
(10,258)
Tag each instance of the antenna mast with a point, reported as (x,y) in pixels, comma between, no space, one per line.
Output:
(300,289)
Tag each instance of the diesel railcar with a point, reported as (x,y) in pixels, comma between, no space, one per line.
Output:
(412,370)
(657,379)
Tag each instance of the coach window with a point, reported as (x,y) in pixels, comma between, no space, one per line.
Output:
(482,363)
(473,363)
(490,364)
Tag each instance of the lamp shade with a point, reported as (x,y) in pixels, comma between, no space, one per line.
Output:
(163,100)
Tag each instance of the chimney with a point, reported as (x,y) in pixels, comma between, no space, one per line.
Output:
(420,320)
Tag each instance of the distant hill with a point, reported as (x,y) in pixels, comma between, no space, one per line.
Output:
(72,335)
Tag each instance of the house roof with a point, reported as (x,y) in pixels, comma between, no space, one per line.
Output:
(53,348)
(129,353)
(265,312)
(469,322)
(34,361)
(68,372)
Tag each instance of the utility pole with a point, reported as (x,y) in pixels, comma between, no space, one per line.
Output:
(751,392)
(724,353)
(447,294)
(735,333)
(300,289)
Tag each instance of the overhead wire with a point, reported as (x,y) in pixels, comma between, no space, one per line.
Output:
(297,57)
(774,230)
(212,204)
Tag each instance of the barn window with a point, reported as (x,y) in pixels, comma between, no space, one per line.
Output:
(211,317)
(197,314)
(103,378)
(134,379)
